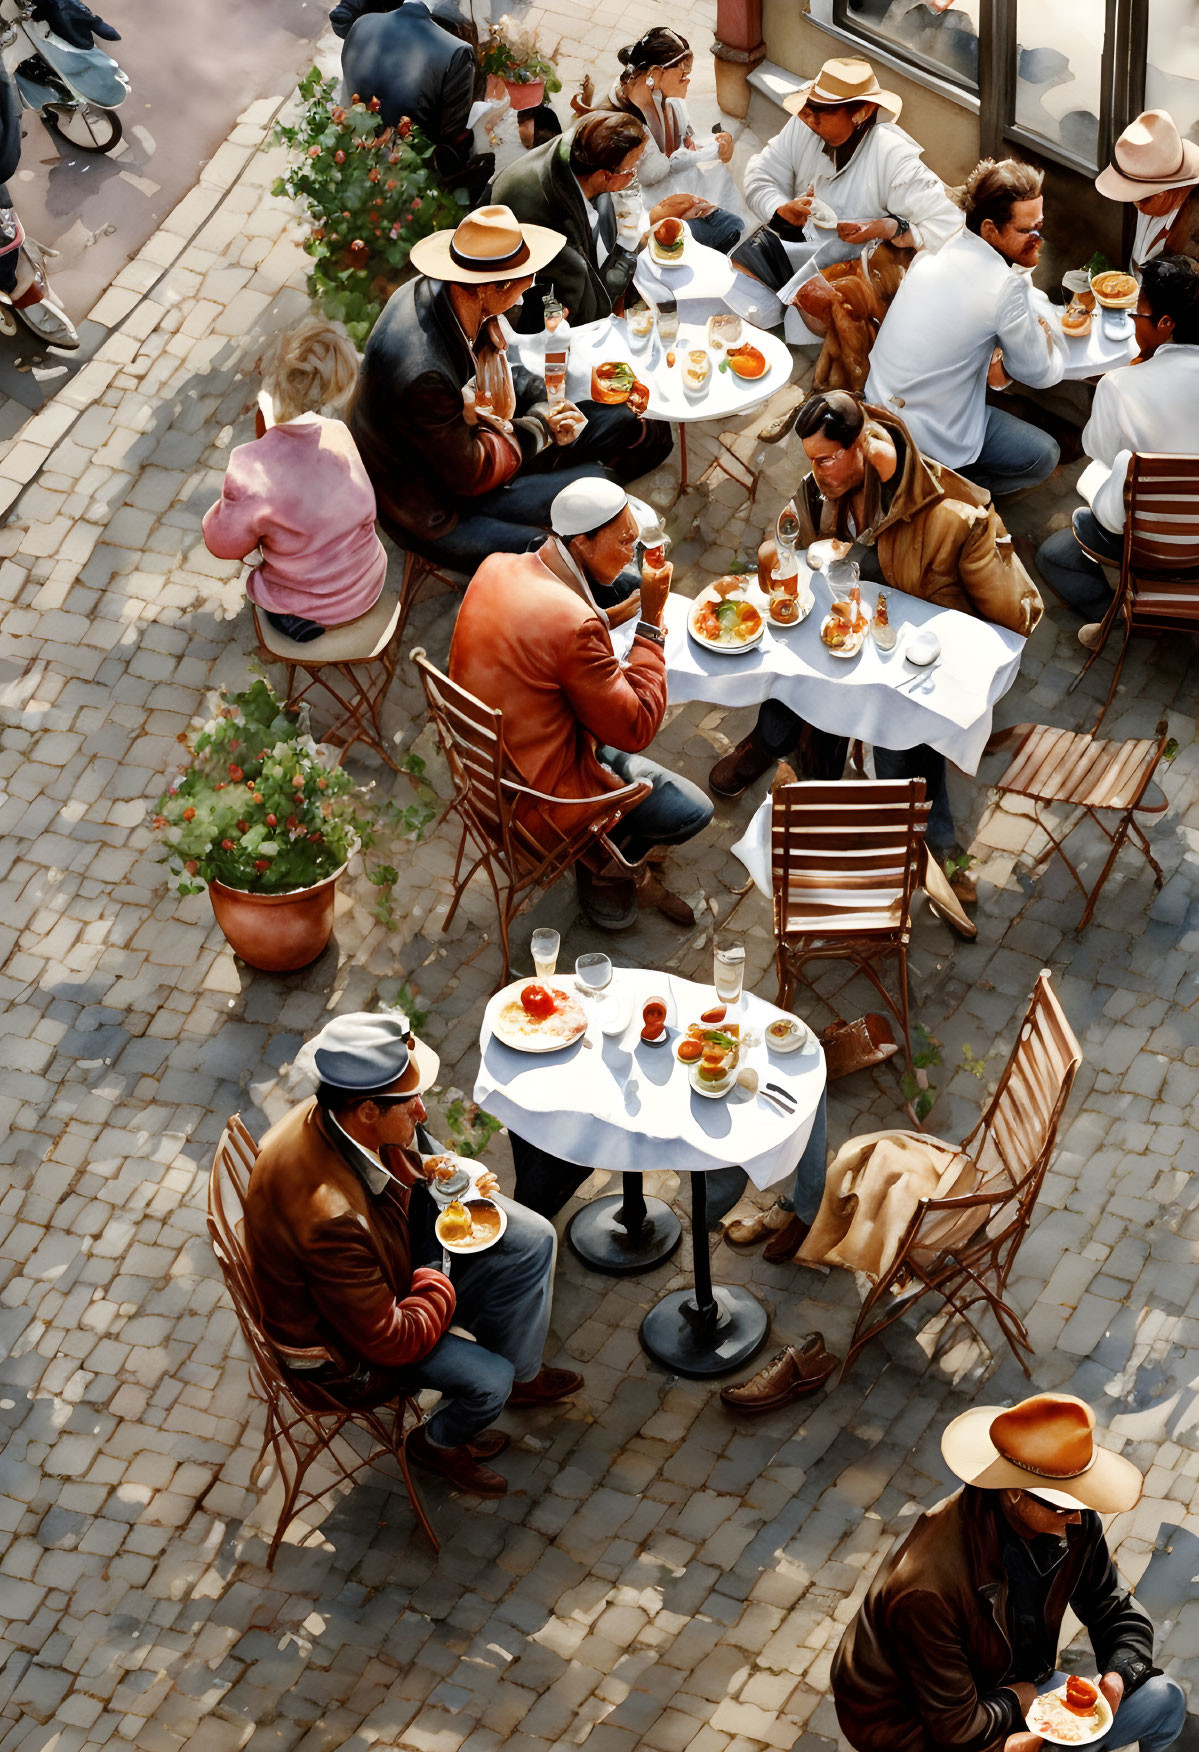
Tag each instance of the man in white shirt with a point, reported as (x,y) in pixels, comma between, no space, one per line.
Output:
(968,316)
(1151,406)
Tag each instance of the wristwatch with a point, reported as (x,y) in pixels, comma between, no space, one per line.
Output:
(647,630)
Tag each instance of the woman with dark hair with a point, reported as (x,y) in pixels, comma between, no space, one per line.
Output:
(653,87)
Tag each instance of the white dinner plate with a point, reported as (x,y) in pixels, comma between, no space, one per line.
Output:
(468,1247)
(533,1042)
(852,649)
(679,261)
(711,1091)
(710,595)
(1034,1718)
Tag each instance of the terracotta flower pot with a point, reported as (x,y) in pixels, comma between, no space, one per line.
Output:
(526,96)
(276,933)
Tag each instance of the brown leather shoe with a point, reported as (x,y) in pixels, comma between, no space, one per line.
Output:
(748,1231)
(488,1443)
(794,1372)
(610,903)
(787,1243)
(652,891)
(547,1387)
(735,772)
(457,1464)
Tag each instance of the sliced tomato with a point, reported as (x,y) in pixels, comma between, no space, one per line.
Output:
(715,1015)
(689,1051)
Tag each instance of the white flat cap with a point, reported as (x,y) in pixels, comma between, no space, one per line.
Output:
(586,505)
(369,1051)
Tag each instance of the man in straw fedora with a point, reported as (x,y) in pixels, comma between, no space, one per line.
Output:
(959,1630)
(463,449)
(843,148)
(1158,171)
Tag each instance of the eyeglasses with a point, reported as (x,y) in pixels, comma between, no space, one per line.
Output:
(1054,1508)
(385,1101)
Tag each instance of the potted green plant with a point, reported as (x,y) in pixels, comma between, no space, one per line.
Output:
(370,193)
(511,52)
(266,820)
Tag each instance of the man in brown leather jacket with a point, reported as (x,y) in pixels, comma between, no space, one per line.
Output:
(934,535)
(958,1634)
(339,1226)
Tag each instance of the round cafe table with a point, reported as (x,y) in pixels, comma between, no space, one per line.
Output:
(725,397)
(613,1101)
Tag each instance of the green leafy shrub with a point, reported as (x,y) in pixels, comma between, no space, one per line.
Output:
(370,192)
(511,51)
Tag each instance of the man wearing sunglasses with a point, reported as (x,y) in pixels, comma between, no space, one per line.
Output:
(958,1633)
(339,1226)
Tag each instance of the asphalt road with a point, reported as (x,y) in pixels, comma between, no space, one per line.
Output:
(194,66)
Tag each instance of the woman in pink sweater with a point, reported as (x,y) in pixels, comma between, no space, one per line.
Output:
(300,493)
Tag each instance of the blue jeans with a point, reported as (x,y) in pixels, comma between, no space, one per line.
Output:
(1078,579)
(808,1189)
(1014,455)
(719,229)
(504,1300)
(675,810)
(1151,1718)
(924,763)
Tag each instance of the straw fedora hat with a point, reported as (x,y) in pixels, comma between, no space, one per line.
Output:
(489,244)
(1045,1445)
(845,79)
(1149,157)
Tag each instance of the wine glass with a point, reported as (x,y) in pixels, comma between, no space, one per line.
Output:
(593,973)
(728,969)
(545,945)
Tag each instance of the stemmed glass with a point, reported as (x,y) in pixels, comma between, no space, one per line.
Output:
(593,974)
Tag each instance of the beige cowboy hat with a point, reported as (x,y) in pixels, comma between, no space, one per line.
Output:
(1041,1445)
(489,244)
(845,79)
(1149,157)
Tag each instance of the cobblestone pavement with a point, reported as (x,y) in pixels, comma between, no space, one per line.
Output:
(662,1575)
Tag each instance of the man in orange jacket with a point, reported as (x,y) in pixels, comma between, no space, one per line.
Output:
(339,1226)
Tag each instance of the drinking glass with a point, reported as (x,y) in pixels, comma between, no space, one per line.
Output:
(545,945)
(668,324)
(594,972)
(728,969)
(640,324)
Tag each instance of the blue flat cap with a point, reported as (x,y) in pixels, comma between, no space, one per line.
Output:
(369,1051)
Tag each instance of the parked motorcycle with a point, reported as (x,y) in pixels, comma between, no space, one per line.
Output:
(75,88)
(31,305)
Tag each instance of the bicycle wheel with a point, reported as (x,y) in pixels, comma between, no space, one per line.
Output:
(85,125)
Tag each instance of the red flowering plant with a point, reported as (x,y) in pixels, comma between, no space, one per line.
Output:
(261,806)
(370,193)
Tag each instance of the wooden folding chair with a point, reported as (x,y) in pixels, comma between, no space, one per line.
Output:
(302,1421)
(1088,777)
(1158,591)
(354,665)
(488,796)
(846,859)
(418,574)
(962,1248)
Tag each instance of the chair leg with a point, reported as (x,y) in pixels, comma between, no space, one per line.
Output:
(414,1497)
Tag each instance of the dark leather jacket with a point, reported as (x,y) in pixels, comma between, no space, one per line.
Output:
(922,1664)
(407,420)
(415,69)
(541,189)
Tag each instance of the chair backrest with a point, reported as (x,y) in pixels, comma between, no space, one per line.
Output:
(1161,548)
(1015,1135)
(845,856)
(227,1183)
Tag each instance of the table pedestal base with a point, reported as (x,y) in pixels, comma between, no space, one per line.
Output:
(676,1333)
(624,1233)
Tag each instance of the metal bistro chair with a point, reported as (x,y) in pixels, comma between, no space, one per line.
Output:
(1088,777)
(847,859)
(962,1248)
(353,664)
(302,1423)
(1158,590)
(488,792)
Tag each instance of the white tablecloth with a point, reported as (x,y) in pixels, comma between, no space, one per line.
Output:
(726,396)
(1091,355)
(699,284)
(628,1107)
(876,696)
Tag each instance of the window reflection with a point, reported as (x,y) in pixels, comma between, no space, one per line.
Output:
(1059,59)
(1172,63)
(942,33)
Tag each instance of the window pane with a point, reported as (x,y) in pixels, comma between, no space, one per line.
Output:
(942,34)
(1059,55)
(1172,63)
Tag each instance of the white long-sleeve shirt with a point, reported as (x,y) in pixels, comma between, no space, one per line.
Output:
(1148,408)
(885,175)
(929,363)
